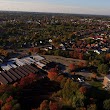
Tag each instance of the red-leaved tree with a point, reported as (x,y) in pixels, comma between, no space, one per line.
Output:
(83,89)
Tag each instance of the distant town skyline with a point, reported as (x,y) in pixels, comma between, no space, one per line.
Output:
(99,7)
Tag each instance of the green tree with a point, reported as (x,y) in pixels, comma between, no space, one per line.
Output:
(16,107)
(103,69)
(92,107)
(106,104)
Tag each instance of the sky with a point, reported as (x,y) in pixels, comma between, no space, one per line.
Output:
(100,7)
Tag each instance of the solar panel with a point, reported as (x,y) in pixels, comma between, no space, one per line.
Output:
(3,80)
(15,74)
(6,76)
(11,75)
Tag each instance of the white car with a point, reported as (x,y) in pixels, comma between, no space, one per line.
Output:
(80,80)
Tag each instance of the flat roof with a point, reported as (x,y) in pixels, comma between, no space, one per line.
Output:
(5,67)
(40,64)
(26,70)
(35,69)
(22,71)
(6,76)
(30,69)
(37,57)
(3,80)
(19,72)
(11,75)
(15,74)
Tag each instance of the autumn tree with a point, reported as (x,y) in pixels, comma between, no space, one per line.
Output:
(107,57)
(53,73)
(27,80)
(10,98)
(59,78)
(54,105)
(7,107)
(83,89)
(72,67)
(81,56)
(93,76)
(44,105)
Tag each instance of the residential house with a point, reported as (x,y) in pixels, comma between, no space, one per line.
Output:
(106,81)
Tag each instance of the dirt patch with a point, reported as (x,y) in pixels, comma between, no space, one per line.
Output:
(62,60)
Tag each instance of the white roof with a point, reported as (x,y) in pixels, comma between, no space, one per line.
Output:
(13,66)
(28,59)
(40,64)
(13,59)
(25,61)
(19,62)
(37,57)
(5,67)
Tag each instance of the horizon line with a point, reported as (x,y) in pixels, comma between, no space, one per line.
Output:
(54,12)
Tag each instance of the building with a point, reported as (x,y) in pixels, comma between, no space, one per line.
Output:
(15,69)
(14,74)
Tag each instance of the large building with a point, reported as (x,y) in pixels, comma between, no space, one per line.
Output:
(15,74)
(15,69)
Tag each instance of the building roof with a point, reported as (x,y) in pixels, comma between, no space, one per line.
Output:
(3,80)
(15,74)
(12,65)
(29,69)
(20,62)
(33,68)
(5,67)
(37,57)
(108,76)
(11,76)
(19,72)
(22,71)
(6,76)
(26,70)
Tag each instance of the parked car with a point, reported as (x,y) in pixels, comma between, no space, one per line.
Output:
(80,80)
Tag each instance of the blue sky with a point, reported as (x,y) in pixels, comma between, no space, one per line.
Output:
(61,6)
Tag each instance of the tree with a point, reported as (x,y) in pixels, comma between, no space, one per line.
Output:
(94,76)
(52,75)
(81,56)
(27,80)
(59,78)
(53,106)
(10,98)
(16,107)
(72,67)
(83,90)
(107,56)
(92,107)
(1,102)
(32,77)
(4,97)
(44,105)
(106,104)
(7,107)
(103,69)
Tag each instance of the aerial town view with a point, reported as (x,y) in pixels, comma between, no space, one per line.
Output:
(54,55)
